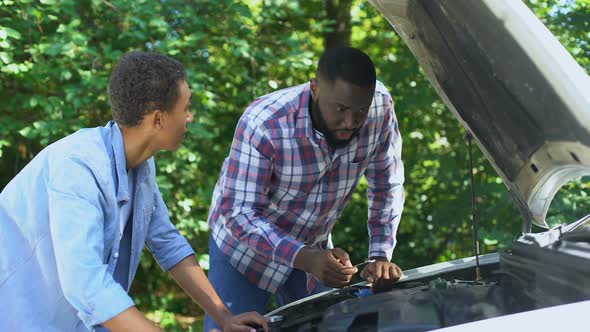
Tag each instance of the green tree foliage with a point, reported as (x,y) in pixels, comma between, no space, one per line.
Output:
(56,56)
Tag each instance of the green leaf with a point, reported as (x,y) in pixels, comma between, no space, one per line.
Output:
(5,57)
(27,132)
(6,32)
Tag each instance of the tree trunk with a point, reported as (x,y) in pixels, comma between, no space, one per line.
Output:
(338,12)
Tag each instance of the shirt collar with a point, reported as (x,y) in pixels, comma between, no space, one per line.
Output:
(141,170)
(304,122)
(120,162)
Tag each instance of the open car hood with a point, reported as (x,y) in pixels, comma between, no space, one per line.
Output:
(512,85)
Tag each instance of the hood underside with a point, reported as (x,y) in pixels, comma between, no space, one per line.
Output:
(511,84)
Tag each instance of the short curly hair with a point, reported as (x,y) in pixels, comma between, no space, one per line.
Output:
(143,82)
(348,64)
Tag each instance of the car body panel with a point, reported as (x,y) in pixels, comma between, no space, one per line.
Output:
(567,317)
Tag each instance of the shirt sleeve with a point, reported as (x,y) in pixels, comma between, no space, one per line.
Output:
(385,178)
(245,196)
(164,240)
(76,218)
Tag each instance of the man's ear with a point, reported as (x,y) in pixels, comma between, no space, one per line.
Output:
(315,89)
(157,119)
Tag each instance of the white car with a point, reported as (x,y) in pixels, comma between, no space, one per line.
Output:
(526,102)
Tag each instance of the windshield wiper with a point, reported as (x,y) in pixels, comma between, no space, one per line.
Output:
(579,235)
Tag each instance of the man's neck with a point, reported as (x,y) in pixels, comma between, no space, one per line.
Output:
(137,146)
(314,117)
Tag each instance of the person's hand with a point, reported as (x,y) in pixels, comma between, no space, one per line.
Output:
(332,267)
(382,274)
(246,322)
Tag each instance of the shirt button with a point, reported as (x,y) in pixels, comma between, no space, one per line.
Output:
(116,255)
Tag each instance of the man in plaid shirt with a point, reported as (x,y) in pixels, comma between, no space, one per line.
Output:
(296,159)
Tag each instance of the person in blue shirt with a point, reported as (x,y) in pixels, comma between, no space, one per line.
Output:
(74,221)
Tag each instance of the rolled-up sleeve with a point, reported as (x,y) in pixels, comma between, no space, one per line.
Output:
(385,177)
(76,217)
(164,240)
(245,196)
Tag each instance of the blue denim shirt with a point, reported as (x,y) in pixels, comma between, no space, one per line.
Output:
(59,234)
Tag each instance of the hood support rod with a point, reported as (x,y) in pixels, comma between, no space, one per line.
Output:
(469,138)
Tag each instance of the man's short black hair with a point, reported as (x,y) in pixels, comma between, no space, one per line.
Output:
(143,82)
(348,64)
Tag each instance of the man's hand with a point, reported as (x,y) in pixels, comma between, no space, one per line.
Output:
(189,275)
(332,267)
(381,273)
(246,322)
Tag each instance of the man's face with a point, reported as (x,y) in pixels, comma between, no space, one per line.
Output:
(178,118)
(340,109)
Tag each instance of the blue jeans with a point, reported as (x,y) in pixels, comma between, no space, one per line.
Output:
(240,295)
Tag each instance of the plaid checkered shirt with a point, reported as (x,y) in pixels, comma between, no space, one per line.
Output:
(283,187)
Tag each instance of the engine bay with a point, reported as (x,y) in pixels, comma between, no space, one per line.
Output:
(526,278)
